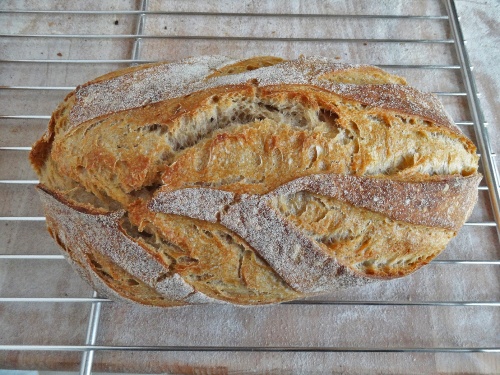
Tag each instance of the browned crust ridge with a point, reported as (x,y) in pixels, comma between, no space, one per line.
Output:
(90,237)
(444,201)
(379,89)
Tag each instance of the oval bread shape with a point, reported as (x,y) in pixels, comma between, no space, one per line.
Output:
(251,181)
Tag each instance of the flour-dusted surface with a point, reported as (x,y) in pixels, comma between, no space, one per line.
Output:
(296,257)
(104,231)
(163,82)
(143,87)
(286,325)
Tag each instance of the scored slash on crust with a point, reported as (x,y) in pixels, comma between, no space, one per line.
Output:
(166,81)
(84,231)
(297,258)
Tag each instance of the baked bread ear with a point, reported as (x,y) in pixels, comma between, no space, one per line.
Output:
(251,182)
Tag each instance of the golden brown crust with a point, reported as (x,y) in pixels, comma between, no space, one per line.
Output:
(359,238)
(128,90)
(133,267)
(96,234)
(442,202)
(438,203)
(399,98)
(301,177)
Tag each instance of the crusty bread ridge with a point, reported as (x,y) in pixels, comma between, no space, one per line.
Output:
(251,181)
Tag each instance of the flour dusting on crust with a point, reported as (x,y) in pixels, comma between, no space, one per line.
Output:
(291,238)
(172,80)
(141,87)
(297,258)
(82,231)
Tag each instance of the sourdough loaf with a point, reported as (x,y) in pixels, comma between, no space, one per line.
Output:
(252,181)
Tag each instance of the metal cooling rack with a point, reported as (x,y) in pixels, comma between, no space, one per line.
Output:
(136,39)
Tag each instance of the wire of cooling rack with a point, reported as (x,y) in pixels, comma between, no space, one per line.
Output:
(491,173)
(477,122)
(88,355)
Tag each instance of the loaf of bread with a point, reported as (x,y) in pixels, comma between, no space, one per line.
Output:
(251,182)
